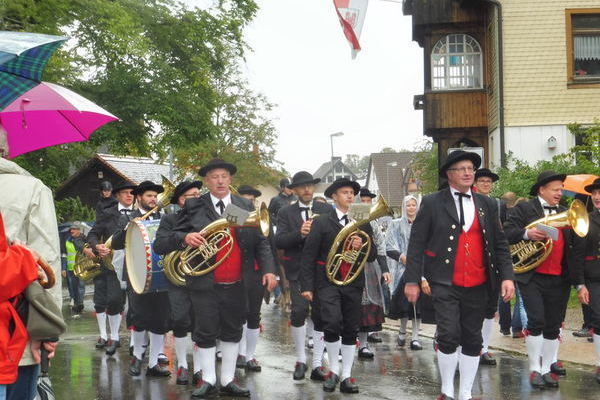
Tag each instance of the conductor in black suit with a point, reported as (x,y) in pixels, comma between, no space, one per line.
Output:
(293,226)
(458,245)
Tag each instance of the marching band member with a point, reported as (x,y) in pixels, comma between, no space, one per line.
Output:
(545,290)
(340,306)
(218,298)
(457,243)
(284,198)
(179,297)
(149,311)
(294,223)
(587,271)
(109,297)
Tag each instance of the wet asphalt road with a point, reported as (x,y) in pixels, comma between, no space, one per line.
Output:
(79,371)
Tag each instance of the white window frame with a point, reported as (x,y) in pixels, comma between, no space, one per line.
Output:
(441,52)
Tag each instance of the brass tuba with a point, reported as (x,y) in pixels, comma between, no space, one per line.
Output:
(528,255)
(341,251)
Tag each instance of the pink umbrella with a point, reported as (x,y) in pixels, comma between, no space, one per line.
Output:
(48,115)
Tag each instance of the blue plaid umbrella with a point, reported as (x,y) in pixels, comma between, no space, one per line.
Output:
(23,57)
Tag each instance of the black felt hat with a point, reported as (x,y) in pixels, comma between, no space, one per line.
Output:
(365,192)
(217,163)
(302,178)
(122,186)
(459,155)
(545,177)
(284,182)
(595,185)
(247,189)
(183,187)
(486,172)
(339,183)
(146,186)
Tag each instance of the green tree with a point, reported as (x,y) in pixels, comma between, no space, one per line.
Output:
(425,166)
(72,209)
(359,165)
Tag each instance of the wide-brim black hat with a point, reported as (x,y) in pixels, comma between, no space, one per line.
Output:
(459,155)
(303,178)
(247,189)
(146,186)
(122,186)
(340,183)
(365,192)
(217,163)
(486,172)
(595,185)
(545,177)
(183,187)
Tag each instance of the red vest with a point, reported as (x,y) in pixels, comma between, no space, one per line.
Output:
(552,265)
(469,266)
(230,270)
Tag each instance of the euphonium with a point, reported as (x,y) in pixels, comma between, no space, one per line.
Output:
(171,266)
(528,255)
(341,251)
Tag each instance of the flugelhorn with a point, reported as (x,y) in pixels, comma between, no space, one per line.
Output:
(528,255)
(341,251)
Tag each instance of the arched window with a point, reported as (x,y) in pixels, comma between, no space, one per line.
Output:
(456,63)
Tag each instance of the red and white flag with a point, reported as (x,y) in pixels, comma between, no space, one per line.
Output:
(352,16)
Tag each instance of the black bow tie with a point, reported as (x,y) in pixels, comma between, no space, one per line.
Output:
(460,203)
(125,211)
(344,220)
(551,208)
(221,206)
(305,211)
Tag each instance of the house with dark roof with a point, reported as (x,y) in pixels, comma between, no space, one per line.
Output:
(391,175)
(328,175)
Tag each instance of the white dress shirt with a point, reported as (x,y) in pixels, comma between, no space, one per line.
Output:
(302,205)
(340,215)
(468,207)
(226,201)
(122,207)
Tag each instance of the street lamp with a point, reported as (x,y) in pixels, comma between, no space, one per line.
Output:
(387,171)
(331,136)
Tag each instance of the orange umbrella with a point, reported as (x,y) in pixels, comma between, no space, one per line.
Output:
(576,183)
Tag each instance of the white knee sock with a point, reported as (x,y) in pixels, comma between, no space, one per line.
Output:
(555,357)
(416,326)
(181,346)
(251,342)
(229,350)
(486,333)
(534,352)
(362,339)
(299,336)
(162,345)
(196,358)
(467,366)
(138,344)
(549,349)
(447,365)
(156,343)
(333,349)
(101,318)
(114,321)
(242,349)
(597,347)
(207,363)
(310,327)
(318,348)
(347,360)
(131,338)
(402,331)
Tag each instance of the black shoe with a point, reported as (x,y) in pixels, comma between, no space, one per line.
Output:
(234,390)
(331,381)
(182,376)
(583,332)
(505,332)
(550,380)
(253,366)
(349,385)
(196,378)
(111,347)
(558,369)
(163,359)
(374,338)
(401,342)
(415,345)
(318,374)
(158,371)
(536,380)
(487,359)
(590,339)
(300,371)
(365,353)
(135,368)
(241,362)
(101,343)
(204,390)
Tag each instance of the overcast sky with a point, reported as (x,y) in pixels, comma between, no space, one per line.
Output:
(301,62)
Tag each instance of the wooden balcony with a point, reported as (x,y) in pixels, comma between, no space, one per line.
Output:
(453,110)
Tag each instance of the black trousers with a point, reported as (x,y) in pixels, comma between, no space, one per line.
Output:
(301,307)
(181,310)
(108,295)
(594,288)
(545,299)
(459,312)
(255,292)
(149,311)
(492,302)
(340,308)
(219,313)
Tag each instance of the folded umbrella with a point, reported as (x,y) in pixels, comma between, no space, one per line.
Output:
(49,115)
